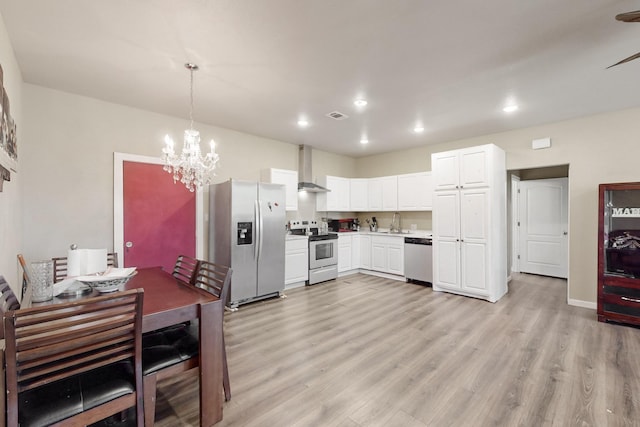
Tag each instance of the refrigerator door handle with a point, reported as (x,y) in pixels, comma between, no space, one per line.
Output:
(256,231)
(260,236)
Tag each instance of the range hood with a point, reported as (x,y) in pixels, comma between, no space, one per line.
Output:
(304,170)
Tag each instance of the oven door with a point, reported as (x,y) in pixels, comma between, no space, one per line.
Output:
(323,253)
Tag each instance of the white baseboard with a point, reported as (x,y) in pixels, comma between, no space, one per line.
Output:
(294,285)
(373,273)
(583,304)
(385,275)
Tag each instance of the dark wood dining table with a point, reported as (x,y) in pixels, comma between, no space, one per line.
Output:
(167,301)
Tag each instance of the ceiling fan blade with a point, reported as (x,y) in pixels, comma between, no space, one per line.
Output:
(631,58)
(629,16)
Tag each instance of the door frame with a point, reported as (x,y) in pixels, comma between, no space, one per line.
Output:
(515,224)
(118,207)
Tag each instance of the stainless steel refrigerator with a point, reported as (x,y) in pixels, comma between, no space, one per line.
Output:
(247,233)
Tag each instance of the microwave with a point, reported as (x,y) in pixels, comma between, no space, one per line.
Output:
(344,224)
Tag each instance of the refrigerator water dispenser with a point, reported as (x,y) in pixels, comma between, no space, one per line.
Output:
(245,233)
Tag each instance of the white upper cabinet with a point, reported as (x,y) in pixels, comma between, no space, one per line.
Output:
(359,194)
(336,200)
(410,192)
(415,192)
(287,177)
(383,193)
(375,194)
(466,168)
(389,193)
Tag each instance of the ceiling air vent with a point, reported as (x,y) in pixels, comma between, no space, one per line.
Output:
(337,115)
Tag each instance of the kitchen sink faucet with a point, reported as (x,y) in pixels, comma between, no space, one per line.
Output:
(395,226)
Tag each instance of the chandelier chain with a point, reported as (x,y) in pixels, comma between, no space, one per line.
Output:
(191,68)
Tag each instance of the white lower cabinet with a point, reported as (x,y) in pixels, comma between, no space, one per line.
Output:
(384,254)
(356,248)
(344,253)
(296,261)
(365,251)
(387,254)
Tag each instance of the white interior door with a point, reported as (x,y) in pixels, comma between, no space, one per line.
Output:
(544,227)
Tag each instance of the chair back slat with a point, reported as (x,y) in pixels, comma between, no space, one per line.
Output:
(185,268)
(8,301)
(43,336)
(71,367)
(82,341)
(112,259)
(115,342)
(27,287)
(213,278)
(59,268)
(109,311)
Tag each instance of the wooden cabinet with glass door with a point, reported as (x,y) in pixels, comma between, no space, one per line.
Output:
(619,253)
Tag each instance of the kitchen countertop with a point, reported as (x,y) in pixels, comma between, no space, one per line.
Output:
(381,232)
(296,237)
(385,232)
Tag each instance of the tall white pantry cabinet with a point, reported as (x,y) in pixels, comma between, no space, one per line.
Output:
(470,222)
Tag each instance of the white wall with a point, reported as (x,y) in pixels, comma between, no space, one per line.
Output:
(598,149)
(68,164)
(11,196)
(67,141)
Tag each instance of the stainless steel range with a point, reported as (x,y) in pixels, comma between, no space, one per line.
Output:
(323,251)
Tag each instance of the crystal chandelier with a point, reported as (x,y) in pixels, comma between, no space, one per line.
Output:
(190,167)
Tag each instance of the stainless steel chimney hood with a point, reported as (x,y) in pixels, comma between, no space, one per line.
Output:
(304,170)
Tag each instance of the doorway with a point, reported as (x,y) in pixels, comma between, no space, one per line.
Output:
(144,215)
(539,221)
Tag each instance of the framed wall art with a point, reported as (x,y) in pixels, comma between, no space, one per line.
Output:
(8,135)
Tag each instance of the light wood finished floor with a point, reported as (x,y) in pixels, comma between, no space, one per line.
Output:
(366,351)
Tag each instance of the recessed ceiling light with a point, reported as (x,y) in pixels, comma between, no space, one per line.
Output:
(364,141)
(418,129)
(303,123)
(360,102)
(510,108)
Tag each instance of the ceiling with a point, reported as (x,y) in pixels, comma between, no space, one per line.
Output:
(449,65)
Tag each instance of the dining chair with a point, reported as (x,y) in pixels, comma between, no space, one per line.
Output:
(75,363)
(27,288)
(185,268)
(60,265)
(174,350)
(8,301)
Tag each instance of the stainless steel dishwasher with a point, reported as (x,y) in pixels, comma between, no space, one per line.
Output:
(418,263)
